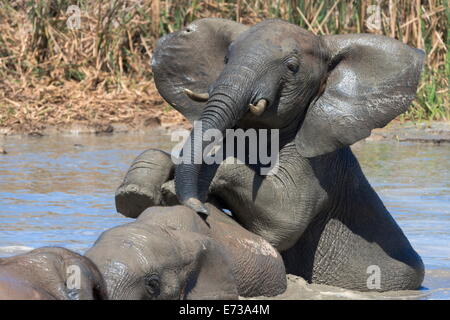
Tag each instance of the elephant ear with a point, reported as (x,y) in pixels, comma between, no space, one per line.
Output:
(371,80)
(92,286)
(192,59)
(210,275)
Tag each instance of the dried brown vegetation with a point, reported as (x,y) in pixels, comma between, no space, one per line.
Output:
(56,70)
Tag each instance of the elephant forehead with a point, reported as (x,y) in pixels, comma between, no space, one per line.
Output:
(277,36)
(144,250)
(121,262)
(116,268)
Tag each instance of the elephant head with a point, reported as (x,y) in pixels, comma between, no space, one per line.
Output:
(328,91)
(146,261)
(50,273)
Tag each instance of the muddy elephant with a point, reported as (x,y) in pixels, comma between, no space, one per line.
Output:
(50,273)
(320,94)
(172,253)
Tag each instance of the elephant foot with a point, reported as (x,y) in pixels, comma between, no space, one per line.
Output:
(132,199)
(141,187)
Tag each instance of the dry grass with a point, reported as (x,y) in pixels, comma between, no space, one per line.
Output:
(100,73)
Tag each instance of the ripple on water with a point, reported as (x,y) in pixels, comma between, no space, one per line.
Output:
(60,191)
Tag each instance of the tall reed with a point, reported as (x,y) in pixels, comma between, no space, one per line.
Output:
(116,37)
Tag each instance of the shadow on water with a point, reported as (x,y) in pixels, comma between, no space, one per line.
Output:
(59,190)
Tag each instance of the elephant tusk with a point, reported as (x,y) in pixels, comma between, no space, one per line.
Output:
(199,97)
(259,108)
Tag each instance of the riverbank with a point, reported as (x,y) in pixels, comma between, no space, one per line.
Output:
(141,114)
(75,108)
(53,107)
(436,132)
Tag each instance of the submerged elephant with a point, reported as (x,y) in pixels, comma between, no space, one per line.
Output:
(49,273)
(323,93)
(172,253)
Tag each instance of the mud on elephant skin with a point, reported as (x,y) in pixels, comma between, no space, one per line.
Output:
(322,93)
(336,249)
(44,274)
(172,253)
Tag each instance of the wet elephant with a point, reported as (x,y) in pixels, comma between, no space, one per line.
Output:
(172,253)
(322,94)
(49,273)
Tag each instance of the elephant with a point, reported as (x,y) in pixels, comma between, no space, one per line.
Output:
(48,273)
(320,94)
(170,253)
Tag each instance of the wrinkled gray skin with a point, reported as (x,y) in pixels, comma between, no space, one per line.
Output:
(324,93)
(44,274)
(172,253)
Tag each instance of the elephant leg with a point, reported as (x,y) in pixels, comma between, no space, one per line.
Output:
(141,187)
(254,209)
(359,247)
(266,205)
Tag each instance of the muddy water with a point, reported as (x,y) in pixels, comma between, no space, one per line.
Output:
(60,191)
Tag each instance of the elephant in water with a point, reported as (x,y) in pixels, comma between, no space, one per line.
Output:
(172,253)
(320,94)
(50,273)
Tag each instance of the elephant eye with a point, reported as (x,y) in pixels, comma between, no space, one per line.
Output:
(292,66)
(225,59)
(152,285)
(190,28)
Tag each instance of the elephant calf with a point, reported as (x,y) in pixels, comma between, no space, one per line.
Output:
(50,273)
(320,94)
(172,253)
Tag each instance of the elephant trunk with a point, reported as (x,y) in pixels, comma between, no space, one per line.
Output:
(226,105)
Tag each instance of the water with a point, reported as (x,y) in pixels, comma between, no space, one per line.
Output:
(59,191)
(413,180)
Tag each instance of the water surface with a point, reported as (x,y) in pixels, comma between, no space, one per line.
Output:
(59,191)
